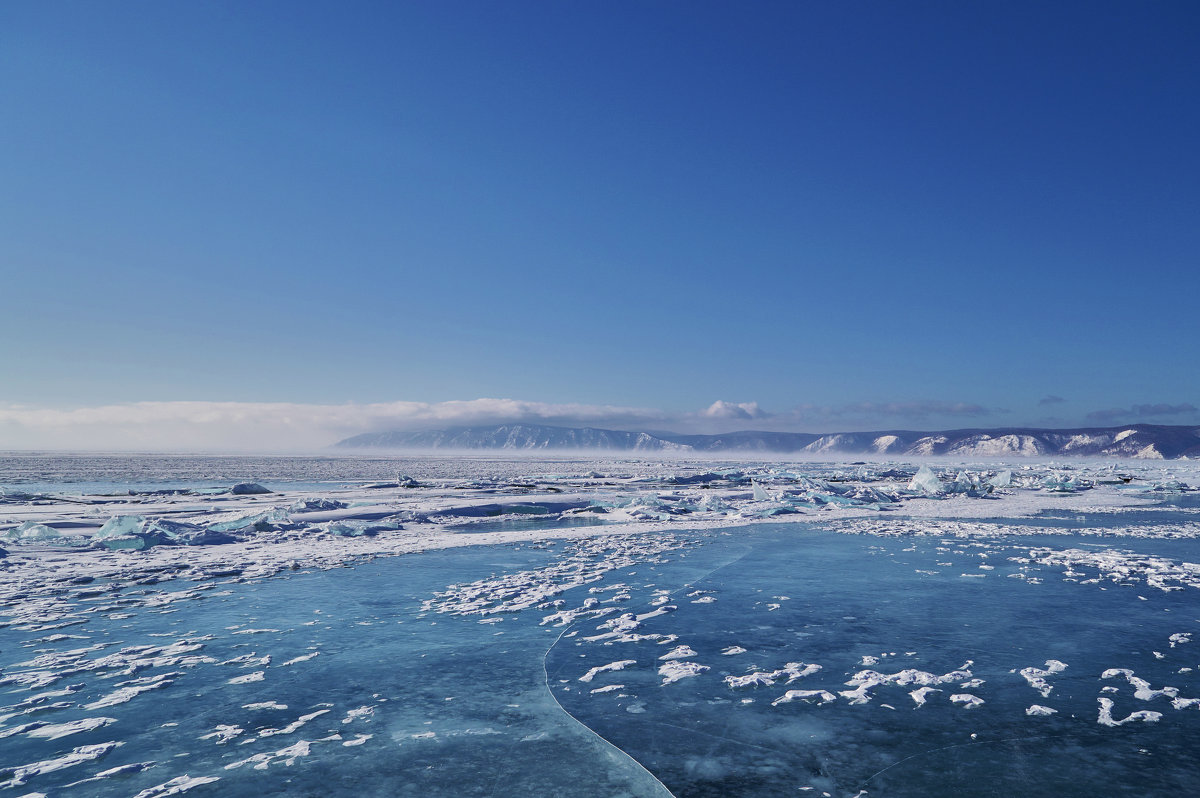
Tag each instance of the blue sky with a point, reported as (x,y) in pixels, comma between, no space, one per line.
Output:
(854,215)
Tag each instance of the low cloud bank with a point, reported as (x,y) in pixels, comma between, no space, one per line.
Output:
(272,426)
(1160,413)
(287,426)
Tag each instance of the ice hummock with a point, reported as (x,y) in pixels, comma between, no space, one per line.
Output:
(926,482)
(248,489)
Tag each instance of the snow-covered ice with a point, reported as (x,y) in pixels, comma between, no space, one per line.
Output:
(335,622)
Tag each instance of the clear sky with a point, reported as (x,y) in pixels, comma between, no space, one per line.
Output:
(820,215)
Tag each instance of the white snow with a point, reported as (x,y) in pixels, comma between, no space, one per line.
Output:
(1106,717)
(57,730)
(1037,676)
(175,786)
(256,676)
(676,670)
(612,666)
(679,652)
(967,700)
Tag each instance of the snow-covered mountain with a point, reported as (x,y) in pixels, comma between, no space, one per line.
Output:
(515,436)
(1146,441)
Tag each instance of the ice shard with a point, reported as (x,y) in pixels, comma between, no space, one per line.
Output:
(927,482)
(1001,480)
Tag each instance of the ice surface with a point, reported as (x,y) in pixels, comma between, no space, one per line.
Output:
(354,527)
(154,636)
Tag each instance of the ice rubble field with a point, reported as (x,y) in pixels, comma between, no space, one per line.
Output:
(615,627)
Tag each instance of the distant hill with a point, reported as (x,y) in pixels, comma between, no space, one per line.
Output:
(516,436)
(1146,441)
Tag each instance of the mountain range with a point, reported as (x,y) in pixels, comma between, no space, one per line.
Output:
(1145,441)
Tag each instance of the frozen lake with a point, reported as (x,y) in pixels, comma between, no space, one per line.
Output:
(1037,651)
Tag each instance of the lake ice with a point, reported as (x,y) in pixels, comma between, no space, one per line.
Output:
(1025,640)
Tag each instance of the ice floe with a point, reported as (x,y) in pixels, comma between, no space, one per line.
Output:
(679,652)
(1037,676)
(921,695)
(1142,690)
(132,689)
(675,670)
(53,731)
(256,676)
(16,776)
(865,681)
(299,659)
(612,666)
(287,755)
(176,786)
(1106,716)
(819,696)
(789,672)
(223,733)
(265,705)
(295,725)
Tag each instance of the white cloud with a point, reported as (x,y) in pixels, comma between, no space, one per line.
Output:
(909,410)
(723,409)
(1117,414)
